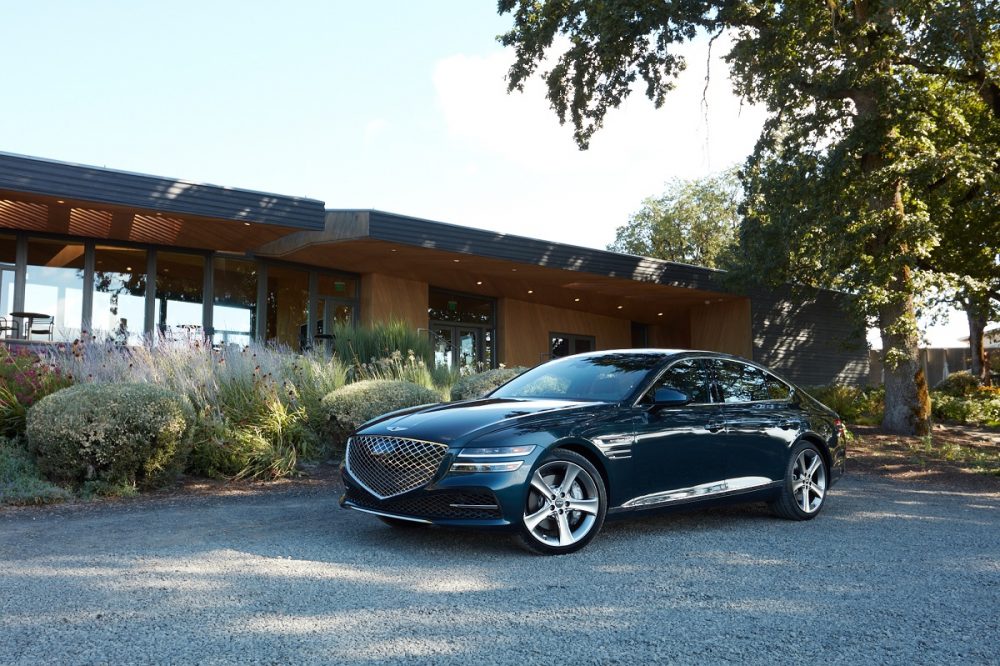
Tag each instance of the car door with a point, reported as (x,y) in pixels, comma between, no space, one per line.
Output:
(677,451)
(760,422)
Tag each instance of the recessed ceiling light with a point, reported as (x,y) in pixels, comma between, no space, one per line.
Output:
(513,270)
(576,300)
(531,291)
(456,260)
(60,201)
(620,307)
(659,314)
(393,250)
(246,224)
(479,281)
(128,268)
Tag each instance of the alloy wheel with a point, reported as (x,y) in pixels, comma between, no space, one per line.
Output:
(809,480)
(563,504)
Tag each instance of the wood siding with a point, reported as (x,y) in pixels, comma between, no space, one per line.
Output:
(723,327)
(387,298)
(523,330)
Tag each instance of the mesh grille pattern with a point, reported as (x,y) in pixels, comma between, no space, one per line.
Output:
(390,466)
(432,505)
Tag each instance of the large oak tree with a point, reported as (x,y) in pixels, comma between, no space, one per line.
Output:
(872,104)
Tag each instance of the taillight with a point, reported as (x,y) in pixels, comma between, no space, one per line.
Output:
(841,428)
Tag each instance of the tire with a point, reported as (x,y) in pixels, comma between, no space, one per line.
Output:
(549,523)
(807,478)
(401,524)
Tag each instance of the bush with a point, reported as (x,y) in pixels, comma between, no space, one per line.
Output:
(854,404)
(20,480)
(958,384)
(350,406)
(357,345)
(24,380)
(132,434)
(477,385)
(983,408)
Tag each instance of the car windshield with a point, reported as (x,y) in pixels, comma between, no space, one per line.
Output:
(598,378)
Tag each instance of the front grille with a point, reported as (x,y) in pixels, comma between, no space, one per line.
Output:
(462,504)
(390,466)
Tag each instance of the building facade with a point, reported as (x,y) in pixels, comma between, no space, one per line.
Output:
(126,255)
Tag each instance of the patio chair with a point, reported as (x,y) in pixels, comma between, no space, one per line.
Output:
(41,326)
(8,327)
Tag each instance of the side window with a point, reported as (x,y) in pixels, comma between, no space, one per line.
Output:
(739,382)
(690,377)
(777,389)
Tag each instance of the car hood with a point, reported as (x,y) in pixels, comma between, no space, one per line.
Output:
(449,422)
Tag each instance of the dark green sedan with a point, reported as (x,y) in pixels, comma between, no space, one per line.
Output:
(556,450)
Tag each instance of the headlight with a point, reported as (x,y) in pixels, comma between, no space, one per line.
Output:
(497,452)
(487,467)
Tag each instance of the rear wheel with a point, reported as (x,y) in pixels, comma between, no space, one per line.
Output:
(565,506)
(806,480)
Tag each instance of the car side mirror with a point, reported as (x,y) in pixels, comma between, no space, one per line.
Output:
(668,397)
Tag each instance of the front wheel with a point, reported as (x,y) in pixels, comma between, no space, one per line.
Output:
(565,506)
(806,481)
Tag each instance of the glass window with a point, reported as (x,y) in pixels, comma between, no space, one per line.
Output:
(567,344)
(777,389)
(119,294)
(234,302)
(54,289)
(287,307)
(608,377)
(337,286)
(460,308)
(689,377)
(8,257)
(739,382)
(180,283)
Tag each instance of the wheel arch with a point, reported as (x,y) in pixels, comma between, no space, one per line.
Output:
(818,442)
(592,456)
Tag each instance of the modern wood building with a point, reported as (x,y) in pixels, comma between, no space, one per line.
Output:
(126,254)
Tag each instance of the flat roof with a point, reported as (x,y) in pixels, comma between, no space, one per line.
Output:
(38,176)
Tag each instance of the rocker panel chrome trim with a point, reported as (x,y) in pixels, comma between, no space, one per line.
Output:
(700,491)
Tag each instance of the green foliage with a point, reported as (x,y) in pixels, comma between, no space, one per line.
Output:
(693,222)
(25,379)
(20,480)
(356,403)
(854,404)
(979,408)
(358,345)
(882,140)
(958,385)
(479,384)
(396,367)
(134,434)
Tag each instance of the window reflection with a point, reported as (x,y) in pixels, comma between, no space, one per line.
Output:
(54,289)
(690,378)
(8,257)
(287,306)
(180,280)
(119,294)
(234,305)
(739,382)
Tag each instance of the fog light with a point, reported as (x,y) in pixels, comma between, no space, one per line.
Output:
(487,467)
(496,452)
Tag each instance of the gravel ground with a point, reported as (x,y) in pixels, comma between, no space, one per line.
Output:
(889,573)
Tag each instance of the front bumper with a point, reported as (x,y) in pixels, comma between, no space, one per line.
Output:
(477,499)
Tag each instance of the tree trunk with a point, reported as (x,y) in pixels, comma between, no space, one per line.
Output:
(907,403)
(978,319)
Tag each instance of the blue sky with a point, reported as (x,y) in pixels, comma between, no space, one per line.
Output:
(391,104)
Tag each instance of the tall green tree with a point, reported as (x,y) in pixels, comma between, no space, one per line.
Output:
(693,222)
(837,192)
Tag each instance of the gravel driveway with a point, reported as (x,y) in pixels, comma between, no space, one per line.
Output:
(888,573)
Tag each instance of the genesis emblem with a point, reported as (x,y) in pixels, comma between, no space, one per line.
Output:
(395,428)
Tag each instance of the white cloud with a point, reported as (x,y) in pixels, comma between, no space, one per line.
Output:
(583,196)
(373,129)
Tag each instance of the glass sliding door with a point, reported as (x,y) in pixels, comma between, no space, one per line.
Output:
(119,309)
(53,290)
(287,321)
(180,286)
(234,304)
(463,330)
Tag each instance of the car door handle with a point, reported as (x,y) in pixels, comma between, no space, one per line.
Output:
(715,426)
(790,424)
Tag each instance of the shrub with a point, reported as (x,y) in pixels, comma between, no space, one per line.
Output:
(477,385)
(25,378)
(854,404)
(357,345)
(983,408)
(20,480)
(958,384)
(134,434)
(350,406)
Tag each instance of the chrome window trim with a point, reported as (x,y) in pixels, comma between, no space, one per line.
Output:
(791,390)
(666,369)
